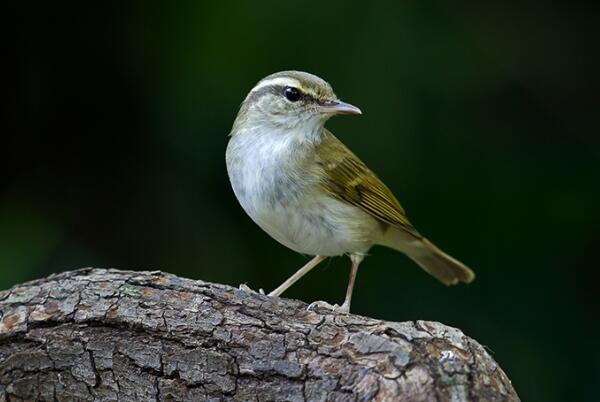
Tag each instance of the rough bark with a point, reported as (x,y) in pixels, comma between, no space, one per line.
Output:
(97,334)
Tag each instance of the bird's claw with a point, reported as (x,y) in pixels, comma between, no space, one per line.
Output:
(247,288)
(323,304)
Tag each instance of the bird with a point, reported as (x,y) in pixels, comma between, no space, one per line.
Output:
(307,190)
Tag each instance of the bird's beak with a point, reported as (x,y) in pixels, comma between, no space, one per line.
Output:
(339,107)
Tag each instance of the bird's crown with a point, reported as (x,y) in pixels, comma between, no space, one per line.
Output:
(309,86)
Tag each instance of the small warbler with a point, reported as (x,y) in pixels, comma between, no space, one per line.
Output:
(303,187)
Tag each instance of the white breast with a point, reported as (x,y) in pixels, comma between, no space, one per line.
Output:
(285,201)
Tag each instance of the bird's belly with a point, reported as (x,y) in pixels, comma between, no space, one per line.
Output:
(324,226)
(289,204)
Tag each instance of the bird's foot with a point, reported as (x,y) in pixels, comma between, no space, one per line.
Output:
(247,288)
(344,308)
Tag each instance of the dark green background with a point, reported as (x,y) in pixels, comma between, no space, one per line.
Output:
(483,119)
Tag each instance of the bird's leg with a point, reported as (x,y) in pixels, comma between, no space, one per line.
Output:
(356,260)
(299,274)
(345,307)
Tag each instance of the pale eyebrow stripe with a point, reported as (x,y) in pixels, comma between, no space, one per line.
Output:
(283,81)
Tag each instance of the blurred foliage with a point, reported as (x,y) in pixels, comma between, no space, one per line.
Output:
(483,119)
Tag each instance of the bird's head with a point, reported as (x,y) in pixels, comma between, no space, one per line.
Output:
(289,99)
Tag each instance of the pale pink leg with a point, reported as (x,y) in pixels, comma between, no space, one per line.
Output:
(299,274)
(356,260)
(345,307)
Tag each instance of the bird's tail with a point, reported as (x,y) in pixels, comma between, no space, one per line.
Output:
(433,260)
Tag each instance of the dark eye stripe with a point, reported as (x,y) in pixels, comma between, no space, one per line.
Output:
(277,90)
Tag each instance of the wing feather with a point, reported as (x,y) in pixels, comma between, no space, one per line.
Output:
(347,178)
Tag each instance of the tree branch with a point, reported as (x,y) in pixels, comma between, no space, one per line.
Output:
(97,334)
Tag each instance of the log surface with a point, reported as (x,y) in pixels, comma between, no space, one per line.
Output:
(112,335)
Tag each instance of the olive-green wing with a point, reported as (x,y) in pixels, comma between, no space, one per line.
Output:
(347,178)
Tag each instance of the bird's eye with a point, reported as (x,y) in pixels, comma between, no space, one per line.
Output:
(292,94)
